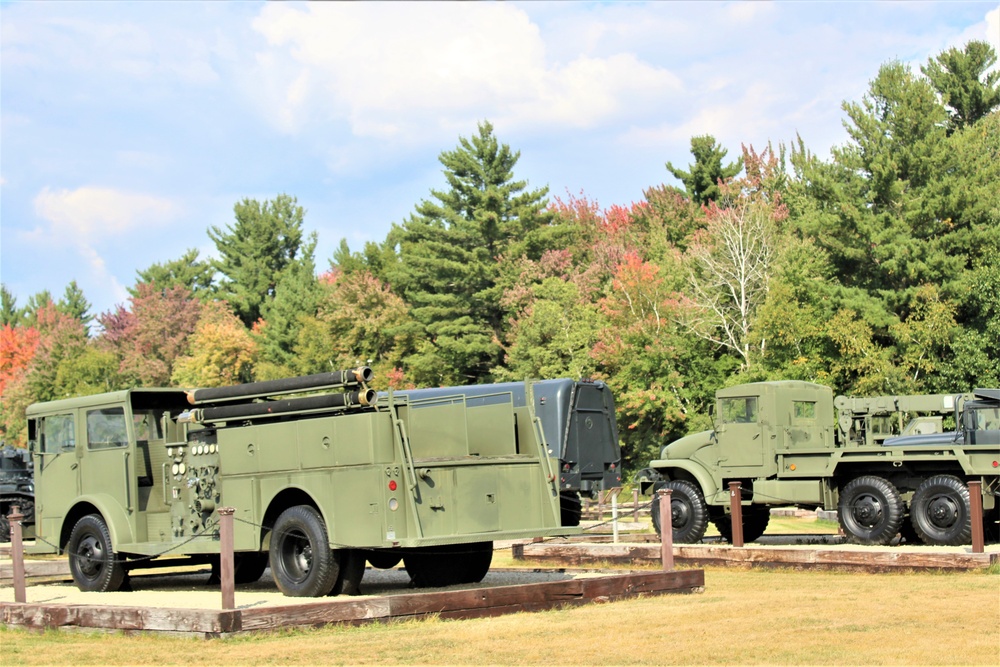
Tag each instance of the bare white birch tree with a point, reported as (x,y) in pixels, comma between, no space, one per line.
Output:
(730,265)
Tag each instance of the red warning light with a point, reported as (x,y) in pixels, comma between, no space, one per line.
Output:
(392,485)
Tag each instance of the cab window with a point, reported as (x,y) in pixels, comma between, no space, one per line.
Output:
(803,411)
(58,434)
(106,428)
(738,410)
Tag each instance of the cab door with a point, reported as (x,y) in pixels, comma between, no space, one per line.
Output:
(56,446)
(739,430)
(107,465)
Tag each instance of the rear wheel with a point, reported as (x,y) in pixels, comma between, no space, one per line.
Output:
(449,564)
(991,524)
(870,510)
(248,566)
(91,559)
(383,559)
(570,508)
(352,570)
(755,520)
(688,511)
(478,558)
(940,511)
(302,562)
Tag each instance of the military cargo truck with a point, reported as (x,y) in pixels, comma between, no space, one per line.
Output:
(886,464)
(320,483)
(16,488)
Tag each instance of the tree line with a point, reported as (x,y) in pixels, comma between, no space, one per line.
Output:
(876,271)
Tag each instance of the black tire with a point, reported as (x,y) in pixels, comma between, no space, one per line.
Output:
(4,527)
(92,559)
(870,510)
(570,508)
(940,512)
(755,520)
(688,511)
(383,559)
(449,565)
(352,571)
(248,566)
(302,562)
(477,560)
(991,525)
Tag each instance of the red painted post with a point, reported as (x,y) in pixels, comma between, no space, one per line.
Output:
(17,552)
(666,530)
(736,512)
(976,515)
(226,557)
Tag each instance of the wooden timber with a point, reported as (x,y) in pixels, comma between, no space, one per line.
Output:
(873,559)
(469,603)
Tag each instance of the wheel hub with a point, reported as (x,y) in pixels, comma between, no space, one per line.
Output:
(679,513)
(868,511)
(942,511)
(90,555)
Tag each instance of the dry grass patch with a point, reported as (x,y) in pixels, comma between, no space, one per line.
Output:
(748,617)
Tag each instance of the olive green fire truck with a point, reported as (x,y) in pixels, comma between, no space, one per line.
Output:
(323,473)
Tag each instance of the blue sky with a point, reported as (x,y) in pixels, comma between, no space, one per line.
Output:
(128,129)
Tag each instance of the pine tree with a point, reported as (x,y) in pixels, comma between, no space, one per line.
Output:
(255,251)
(75,304)
(10,315)
(449,253)
(962,78)
(702,181)
(296,296)
(195,275)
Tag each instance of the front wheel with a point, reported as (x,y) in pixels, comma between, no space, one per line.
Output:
(755,520)
(870,510)
(688,511)
(302,562)
(940,511)
(91,559)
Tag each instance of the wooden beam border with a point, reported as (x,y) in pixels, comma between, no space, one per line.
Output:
(469,603)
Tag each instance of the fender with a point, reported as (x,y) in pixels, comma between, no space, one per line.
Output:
(704,478)
(114,516)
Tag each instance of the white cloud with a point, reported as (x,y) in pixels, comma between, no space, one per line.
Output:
(993,28)
(94,213)
(742,12)
(391,70)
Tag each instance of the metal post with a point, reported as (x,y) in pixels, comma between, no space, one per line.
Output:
(614,514)
(226,557)
(17,552)
(666,530)
(976,512)
(736,512)
(635,505)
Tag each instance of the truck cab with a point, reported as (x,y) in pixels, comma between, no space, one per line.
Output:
(101,454)
(755,421)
